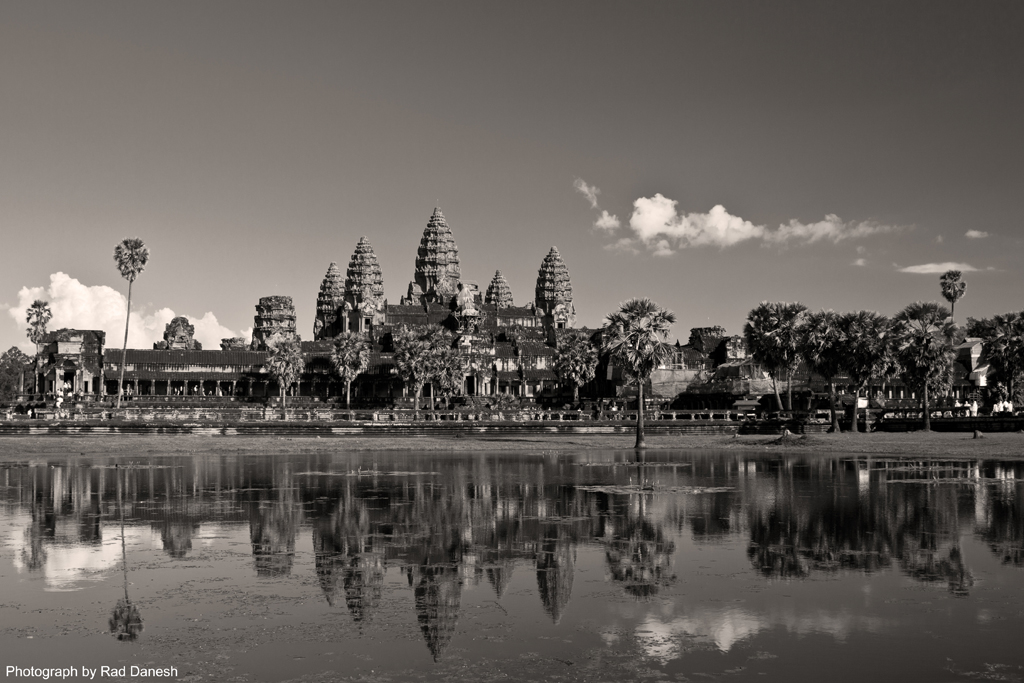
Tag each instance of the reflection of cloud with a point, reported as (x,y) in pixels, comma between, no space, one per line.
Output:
(975,234)
(725,628)
(66,566)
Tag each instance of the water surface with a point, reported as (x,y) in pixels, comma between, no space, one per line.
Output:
(493,566)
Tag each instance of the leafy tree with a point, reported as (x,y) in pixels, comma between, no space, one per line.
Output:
(285,364)
(869,344)
(924,344)
(953,288)
(821,342)
(1003,336)
(350,357)
(38,316)
(13,363)
(445,366)
(634,336)
(575,360)
(131,256)
(772,339)
(411,355)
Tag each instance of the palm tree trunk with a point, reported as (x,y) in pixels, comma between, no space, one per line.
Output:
(575,394)
(348,394)
(856,410)
(416,402)
(124,349)
(927,416)
(778,398)
(789,389)
(640,417)
(835,428)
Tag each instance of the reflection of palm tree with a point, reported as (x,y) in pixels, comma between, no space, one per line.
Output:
(638,554)
(556,564)
(438,601)
(125,620)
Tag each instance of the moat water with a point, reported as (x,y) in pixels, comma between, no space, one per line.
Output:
(588,566)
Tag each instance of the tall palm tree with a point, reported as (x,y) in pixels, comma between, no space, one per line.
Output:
(634,336)
(925,347)
(868,341)
(350,357)
(37,317)
(821,343)
(131,256)
(772,338)
(411,354)
(953,288)
(285,364)
(575,360)
(446,366)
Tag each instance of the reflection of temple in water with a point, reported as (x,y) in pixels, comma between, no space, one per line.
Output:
(480,519)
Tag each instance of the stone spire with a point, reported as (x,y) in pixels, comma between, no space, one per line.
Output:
(498,292)
(364,282)
(437,264)
(330,299)
(554,291)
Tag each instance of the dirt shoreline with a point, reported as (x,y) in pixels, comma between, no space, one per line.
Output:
(915,444)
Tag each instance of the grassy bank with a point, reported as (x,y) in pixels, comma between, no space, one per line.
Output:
(916,444)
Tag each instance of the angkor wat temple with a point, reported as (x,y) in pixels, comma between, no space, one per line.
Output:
(509,348)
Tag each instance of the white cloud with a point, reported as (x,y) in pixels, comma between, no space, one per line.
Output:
(939,239)
(832,228)
(663,229)
(623,244)
(588,191)
(860,262)
(975,234)
(930,268)
(656,222)
(862,249)
(99,307)
(607,222)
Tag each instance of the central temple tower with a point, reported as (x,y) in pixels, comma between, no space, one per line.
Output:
(437,275)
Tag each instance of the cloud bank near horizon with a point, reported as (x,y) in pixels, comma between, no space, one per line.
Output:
(99,307)
(658,225)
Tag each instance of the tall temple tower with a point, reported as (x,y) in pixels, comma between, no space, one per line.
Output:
(330,299)
(364,290)
(437,265)
(554,292)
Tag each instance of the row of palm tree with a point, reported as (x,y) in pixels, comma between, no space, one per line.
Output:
(917,345)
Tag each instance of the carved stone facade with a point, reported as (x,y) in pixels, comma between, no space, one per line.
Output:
(498,292)
(274,322)
(437,275)
(179,335)
(554,292)
(330,299)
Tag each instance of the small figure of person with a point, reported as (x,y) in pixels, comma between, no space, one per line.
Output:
(974,409)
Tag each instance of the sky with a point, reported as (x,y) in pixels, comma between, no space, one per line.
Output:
(706,155)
